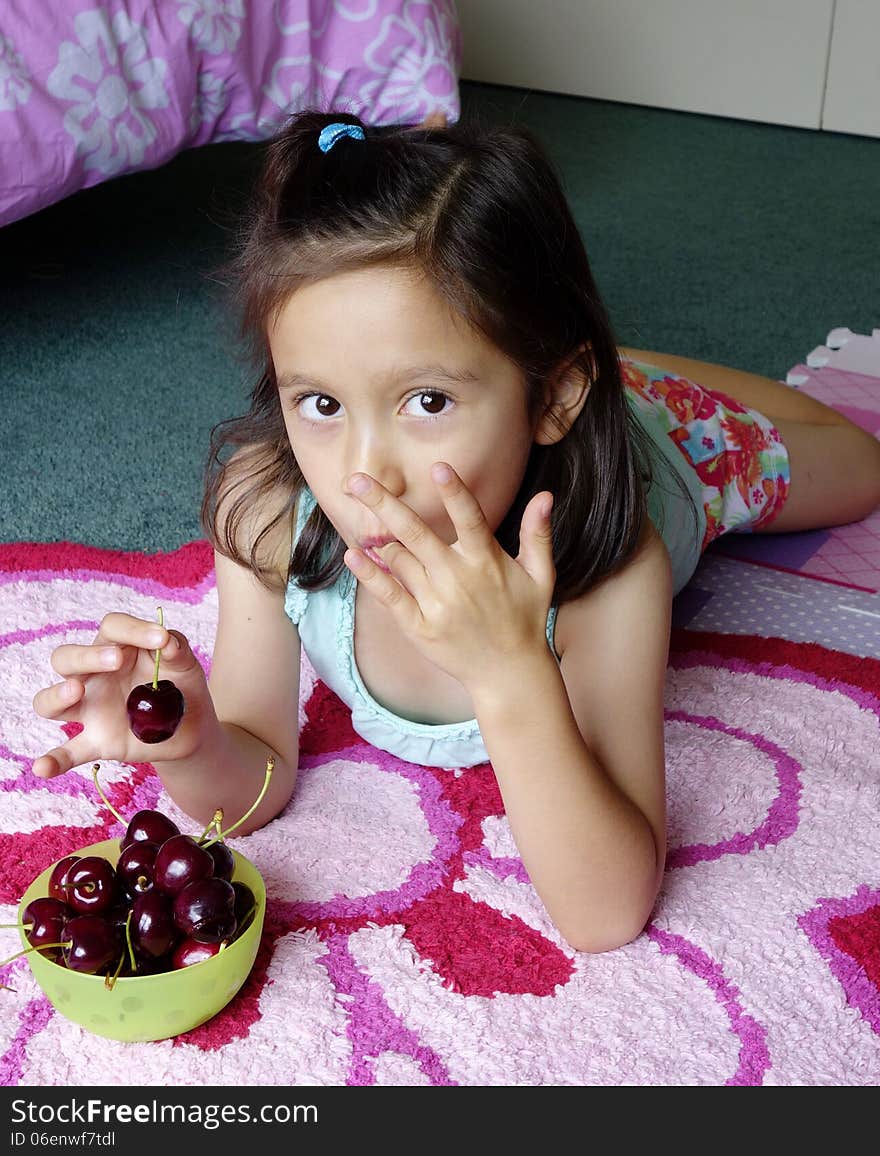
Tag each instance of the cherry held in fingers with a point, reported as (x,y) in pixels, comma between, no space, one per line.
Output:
(155,709)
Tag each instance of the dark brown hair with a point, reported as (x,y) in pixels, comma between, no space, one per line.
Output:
(481,211)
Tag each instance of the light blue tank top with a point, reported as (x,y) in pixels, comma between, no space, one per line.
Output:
(325,619)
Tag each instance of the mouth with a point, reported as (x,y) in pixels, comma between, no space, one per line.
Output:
(374,557)
(371,547)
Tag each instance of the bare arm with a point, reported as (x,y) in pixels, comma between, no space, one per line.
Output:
(254,685)
(578,754)
(217,756)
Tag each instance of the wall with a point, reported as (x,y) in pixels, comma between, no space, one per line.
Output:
(808,63)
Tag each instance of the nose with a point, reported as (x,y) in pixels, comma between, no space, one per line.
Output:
(370,453)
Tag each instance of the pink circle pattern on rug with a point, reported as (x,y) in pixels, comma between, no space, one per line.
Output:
(403,941)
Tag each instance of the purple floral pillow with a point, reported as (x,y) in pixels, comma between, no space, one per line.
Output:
(90,89)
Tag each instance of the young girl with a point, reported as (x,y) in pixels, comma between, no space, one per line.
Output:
(471,507)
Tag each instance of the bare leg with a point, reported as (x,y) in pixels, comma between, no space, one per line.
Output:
(835,464)
(769,397)
(435,119)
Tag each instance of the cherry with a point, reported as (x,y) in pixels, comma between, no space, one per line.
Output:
(47,918)
(155,709)
(91,944)
(245,904)
(216,930)
(190,951)
(135,865)
(149,827)
(180,860)
(204,909)
(57,880)
(224,862)
(152,928)
(170,902)
(147,965)
(117,914)
(91,885)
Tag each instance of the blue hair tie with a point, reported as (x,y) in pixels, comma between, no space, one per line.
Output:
(331,134)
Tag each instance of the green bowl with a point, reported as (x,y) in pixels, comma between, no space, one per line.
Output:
(149,1007)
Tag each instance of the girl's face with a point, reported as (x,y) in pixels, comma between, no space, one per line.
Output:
(377,375)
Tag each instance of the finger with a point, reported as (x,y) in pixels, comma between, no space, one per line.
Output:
(404,523)
(102,655)
(176,656)
(536,540)
(55,701)
(72,659)
(127,630)
(406,569)
(465,512)
(384,587)
(61,759)
(175,653)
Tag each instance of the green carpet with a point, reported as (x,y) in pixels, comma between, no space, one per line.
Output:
(717,239)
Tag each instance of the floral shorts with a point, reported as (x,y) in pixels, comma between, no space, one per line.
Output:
(736,452)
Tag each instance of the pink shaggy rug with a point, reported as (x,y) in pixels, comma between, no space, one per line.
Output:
(403,942)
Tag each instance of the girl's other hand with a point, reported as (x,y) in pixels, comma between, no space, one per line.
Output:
(97,681)
(469,607)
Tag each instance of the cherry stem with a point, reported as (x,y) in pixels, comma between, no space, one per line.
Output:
(270,766)
(158,651)
(215,822)
(36,947)
(110,980)
(105,800)
(20,926)
(128,941)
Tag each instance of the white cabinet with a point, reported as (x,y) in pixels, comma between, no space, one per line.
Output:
(809,63)
(852,98)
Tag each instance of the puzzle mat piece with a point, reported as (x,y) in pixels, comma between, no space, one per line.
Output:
(729,596)
(845,555)
(843,350)
(855,395)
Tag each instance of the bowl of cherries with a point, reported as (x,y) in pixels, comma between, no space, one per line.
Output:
(147,936)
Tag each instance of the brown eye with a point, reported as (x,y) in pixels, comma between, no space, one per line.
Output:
(432,402)
(326,406)
(428,404)
(315,407)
